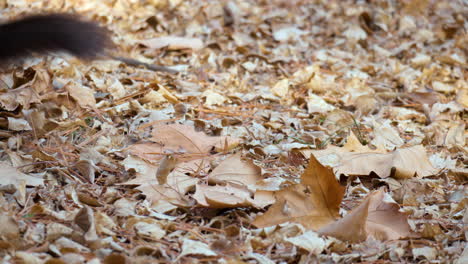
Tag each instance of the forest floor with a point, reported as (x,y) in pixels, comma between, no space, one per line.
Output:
(292,132)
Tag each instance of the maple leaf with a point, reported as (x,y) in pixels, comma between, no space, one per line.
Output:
(314,203)
(375,216)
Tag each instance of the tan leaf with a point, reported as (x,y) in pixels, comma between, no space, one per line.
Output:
(374,217)
(9,229)
(182,140)
(309,241)
(104,224)
(350,228)
(150,152)
(429,98)
(332,155)
(85,220)
(213,98)
(354,145)
(146,227)
(237,171)
(172,193)
(192,247)
(462,97)
(411,161)
(163,197)
(456,135)
(83,95)
(27,94)
(314,203)
(281,88)
(87,169)
(263,198)
(166,166)
(177,178)
(173,43)
(228,196)
(11,175)
(18,124)
(407,162)
(386,136)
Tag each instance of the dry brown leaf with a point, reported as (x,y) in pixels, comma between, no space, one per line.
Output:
(354,145)
(178,178)
(314,203)
(429,98)
(18,124)
(83,95)
(407,162)
(183,138)
(192,247)
(85,220)
(462,97)
(20,96)
(212,98)
(11,175)
(147,228)
(281,88)
(228,196)
(456,135)
(87,169)
(374,217)
(173,43)
(29,93)
(178,182)
(163,198)
(166,166)
(9,231)
(352,227)
(182,141)
(386,136)
(150,152)
(104,224)
(411,161)
(236,171)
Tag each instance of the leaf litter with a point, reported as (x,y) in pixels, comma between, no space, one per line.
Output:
(294,132)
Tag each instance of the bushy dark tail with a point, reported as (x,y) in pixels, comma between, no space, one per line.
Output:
(49,33)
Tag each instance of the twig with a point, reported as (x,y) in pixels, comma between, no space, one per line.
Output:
(152,67)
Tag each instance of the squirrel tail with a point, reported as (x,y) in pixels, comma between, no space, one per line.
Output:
(50,33)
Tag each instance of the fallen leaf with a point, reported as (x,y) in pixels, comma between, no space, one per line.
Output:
(11,175)
(314,203)
(375,217)
(309,241)
(9,231)
(281,88)
(166,166)
(173,43)
(83,95)
(316,104)
(228,196)
(407,162)
(213,98)
(163,198)
(428,253)
(287,33)
(85,220)
(183,142)
(234,170)
(386,136)
(17,124)
(151,231)
(192,247)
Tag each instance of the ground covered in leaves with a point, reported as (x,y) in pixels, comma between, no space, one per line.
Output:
(293,132)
